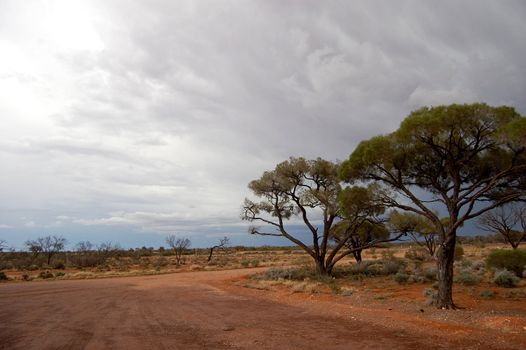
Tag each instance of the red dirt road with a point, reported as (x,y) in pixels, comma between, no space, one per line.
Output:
(182,311)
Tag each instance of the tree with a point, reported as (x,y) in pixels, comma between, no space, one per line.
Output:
(3,245)
(465,159)
(361,226)
(508,221)
(310,190)
(223,243)
(179,245)
(48,245)
(419,228)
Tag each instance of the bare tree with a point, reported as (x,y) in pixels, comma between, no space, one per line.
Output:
(508,221)
(49,246)
(84,247)
(3,245)
(179,245)
(223,243)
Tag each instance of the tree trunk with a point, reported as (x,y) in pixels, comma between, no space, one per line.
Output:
(321,268)
(357,256)
(210,255)
(445,260)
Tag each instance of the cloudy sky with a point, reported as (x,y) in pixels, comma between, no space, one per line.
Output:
(129,120)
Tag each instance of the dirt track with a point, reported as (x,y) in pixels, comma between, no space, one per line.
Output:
(178,311)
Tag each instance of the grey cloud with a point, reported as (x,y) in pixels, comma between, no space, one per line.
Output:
(190,100)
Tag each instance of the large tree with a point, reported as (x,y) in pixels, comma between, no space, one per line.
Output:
(459,159)
(310,190)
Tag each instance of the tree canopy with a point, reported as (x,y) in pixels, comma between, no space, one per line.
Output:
(462,159)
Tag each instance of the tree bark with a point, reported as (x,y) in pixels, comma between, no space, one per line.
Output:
(357,256)
(445,260)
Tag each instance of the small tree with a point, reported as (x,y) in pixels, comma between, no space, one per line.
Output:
(179,246)
(467,159)
(419,228)
(49,246)
(3,245)
(223,243)
(508,221)
(310,190)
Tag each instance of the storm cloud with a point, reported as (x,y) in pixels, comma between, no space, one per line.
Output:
(154,116)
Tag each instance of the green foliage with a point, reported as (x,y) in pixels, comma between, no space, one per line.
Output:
(45,274)
(245,263)
(506,279)
(459,252)
(511,260)
(401,277)
(467,277)
(416,253)
(59,265)
(487,294)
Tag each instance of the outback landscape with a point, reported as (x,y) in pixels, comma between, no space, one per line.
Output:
(258,174)
(260,298)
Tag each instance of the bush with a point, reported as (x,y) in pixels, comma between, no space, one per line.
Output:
(506,279)
(511,260)
(416,253)
(295,274)
(60,274)
(3,276)
(45,275)
(430,274)
(245,263)
(467,277)
(459,252)
(401,277)
(487,294)
(59,265)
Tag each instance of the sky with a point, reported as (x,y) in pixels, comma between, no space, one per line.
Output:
(127,121)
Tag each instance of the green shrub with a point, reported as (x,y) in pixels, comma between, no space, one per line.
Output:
(401,277)
(459,252)
(430,274)
(245,263)
(487,294)
(45,274)
(416,253)
(467,277)
(59,265)
(60,274)
(511,260)
(505,278)
(255,263)
(3,276)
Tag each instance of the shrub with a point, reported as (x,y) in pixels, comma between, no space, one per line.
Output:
(60,274)
(59,265)
(431,296)
(467,277)
(245,263)
(487,294)
(511,260)
(514,294)
(26,277)
(459,252)
(393,266)
(45,274)
(297,274)
(430,274)
(255,263)
(3,276)
(401,277)
(506,279)
(416,253)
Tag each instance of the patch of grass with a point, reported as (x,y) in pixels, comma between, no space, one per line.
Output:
(514,294)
